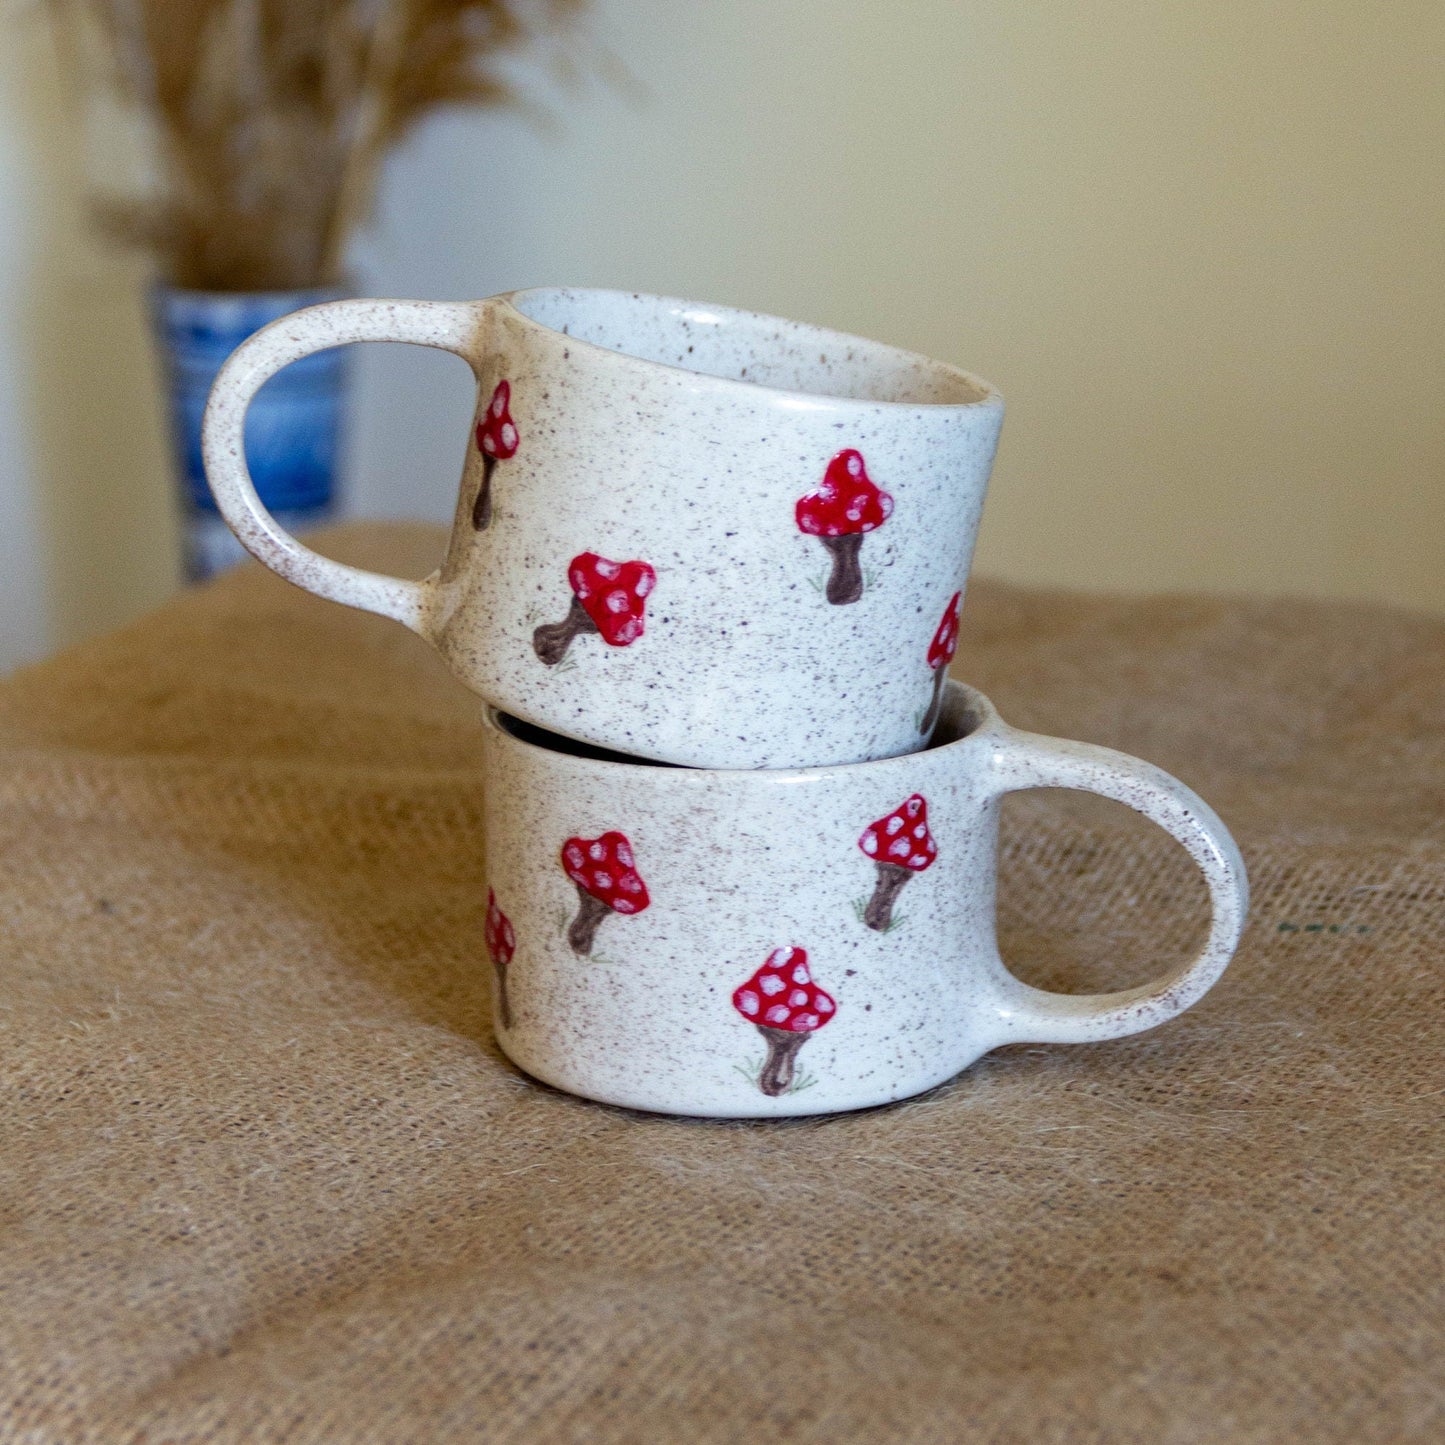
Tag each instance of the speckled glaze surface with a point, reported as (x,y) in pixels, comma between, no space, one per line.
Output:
(684,532)
(743,944)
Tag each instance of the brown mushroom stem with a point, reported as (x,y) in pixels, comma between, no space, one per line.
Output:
(783,1045)
(930,718)
(891,878)
(504,1004)
(583,928)
(551,641)
(482,507)
(845,583)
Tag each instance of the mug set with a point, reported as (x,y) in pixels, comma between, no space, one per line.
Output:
(741,830)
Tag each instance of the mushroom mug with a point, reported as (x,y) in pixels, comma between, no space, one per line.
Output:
(685,532)
(745,943)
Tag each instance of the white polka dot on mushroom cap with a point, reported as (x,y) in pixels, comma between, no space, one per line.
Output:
(623,905)
(801,974)
(803,1022)
(771,984)
(779,956)
(778,1014)
(823,1003)
(597,851)
(869,841)
(748,1002)
(798,998)
(509,435)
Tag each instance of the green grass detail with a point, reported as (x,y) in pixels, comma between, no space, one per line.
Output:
(753,1073)
(860,907)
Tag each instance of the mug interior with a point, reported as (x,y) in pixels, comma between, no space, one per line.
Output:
(526,732)
(748,347)
(962,714)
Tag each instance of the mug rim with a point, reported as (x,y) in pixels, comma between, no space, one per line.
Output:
(989,396)
(987,724)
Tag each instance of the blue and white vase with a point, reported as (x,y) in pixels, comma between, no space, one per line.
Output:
(293,431)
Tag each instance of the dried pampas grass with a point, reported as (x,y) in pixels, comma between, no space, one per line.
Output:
(239,140)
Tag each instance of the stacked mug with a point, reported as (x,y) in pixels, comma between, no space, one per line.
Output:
(741,830)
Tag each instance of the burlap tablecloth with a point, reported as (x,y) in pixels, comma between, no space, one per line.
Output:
(266,1176)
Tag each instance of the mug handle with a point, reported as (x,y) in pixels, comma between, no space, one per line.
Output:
(448,325)
(1030,1015)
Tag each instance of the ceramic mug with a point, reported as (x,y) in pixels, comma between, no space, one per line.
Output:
(686,532)
(793,942)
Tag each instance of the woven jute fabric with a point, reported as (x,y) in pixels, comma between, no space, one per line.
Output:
(264,1175)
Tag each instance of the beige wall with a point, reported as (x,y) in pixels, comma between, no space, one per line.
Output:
(1198,246)
(88,533)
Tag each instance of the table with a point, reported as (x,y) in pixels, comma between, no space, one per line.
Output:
(266,1176)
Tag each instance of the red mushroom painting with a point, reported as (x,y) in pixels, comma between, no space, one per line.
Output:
(497,441)
(900,844)
(501,945)
(940,654)
(608,598)
(607,882)
(839,513)
(787,1006)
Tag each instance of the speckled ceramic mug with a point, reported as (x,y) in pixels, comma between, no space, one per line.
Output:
(793,942)
(686,532)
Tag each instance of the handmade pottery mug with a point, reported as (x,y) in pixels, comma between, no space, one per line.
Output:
(686,532)
(793,942)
